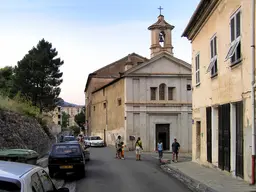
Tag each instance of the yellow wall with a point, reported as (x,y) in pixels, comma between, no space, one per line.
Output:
(111,118)
(94,84)
(232,83)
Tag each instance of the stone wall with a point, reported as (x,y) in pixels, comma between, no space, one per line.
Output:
(17,131)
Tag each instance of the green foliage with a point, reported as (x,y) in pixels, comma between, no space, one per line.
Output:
(6,81)
(76,129)
(19,105)
(65,120)
(37,76)
(80,119)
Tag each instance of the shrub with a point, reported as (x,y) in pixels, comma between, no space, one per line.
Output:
(19,105)
(24,107)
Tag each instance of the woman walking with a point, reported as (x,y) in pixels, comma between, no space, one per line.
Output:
(138,147)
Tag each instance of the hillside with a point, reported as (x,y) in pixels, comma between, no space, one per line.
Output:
(63,103)
(20,127)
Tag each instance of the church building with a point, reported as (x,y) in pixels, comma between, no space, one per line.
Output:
(148,98)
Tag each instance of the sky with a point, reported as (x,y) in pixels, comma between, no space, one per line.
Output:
(88,34)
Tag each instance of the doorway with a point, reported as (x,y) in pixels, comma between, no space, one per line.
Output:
(239,140)
(163,134)
(209,133)
(224,137)
(198,139)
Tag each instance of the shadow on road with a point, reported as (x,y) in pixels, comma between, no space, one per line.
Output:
(70,177)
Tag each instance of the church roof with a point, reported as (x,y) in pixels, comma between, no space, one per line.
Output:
(161,24)
(113,70)
(163,54)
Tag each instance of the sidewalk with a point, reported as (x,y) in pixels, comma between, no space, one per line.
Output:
(199,178)
(167,156)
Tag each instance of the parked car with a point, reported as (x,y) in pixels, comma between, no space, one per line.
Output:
(94,141)
(66,157)
(68,138)
(20,177)
(86,150)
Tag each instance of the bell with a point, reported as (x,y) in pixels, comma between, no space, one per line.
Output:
(161,40)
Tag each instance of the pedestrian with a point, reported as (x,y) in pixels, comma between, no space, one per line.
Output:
(118,147)
(81,142)
(122,152)
(160,150)
(138,147)
(175,150)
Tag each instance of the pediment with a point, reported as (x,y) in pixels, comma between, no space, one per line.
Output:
(163,64)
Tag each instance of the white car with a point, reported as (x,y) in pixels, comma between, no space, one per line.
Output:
(94,141)
(20,177)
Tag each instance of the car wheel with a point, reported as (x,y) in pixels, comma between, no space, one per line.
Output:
(82,172)
(51,173)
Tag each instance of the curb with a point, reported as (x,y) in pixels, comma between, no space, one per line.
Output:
(43,162)
(192,184)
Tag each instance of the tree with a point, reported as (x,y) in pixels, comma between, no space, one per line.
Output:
(65,120)
(6,81)
(80,119)
(76,129)
(37,76)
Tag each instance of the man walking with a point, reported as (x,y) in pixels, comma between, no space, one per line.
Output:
(175,150)
(118,147)
(160,150)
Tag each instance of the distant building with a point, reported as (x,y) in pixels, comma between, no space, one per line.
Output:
(57,116)
(70,109)
(72,112)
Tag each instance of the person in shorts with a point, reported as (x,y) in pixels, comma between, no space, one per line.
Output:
(160,149)
(138,147)
(175,150)
(122,150)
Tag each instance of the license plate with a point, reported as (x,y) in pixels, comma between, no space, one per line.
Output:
(66,167)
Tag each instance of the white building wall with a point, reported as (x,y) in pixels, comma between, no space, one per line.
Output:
(141,118)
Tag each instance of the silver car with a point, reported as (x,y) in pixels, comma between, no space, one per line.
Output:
(20,177)
(94,141)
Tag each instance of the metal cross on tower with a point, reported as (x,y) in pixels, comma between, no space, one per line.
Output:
(160,8)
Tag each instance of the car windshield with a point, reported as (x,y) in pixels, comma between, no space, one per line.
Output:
(95,138)
(70,138)
(6,186)
(66,149)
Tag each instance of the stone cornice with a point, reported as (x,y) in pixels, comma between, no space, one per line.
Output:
(159,75)
(204,9)
(159,104)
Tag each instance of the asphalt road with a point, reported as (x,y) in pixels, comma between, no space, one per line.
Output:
(105,173)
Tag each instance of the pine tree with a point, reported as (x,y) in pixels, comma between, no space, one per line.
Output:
(38,77)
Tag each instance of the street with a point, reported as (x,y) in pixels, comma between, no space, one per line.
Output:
(105,173)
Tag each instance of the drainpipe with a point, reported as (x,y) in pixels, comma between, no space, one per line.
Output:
(105,130)
(252,89)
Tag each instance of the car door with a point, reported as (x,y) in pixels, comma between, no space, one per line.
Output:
(36,184)
(46,181)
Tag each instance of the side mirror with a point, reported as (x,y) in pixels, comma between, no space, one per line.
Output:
(63,189)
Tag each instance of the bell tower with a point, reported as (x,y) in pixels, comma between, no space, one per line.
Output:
(161,36)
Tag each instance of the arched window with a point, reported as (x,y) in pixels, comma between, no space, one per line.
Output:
(162,91)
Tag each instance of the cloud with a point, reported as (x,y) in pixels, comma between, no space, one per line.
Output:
(83,47)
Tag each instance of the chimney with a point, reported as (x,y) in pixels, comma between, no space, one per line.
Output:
(128,63)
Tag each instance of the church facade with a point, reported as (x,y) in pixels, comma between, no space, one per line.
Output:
(150,99)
